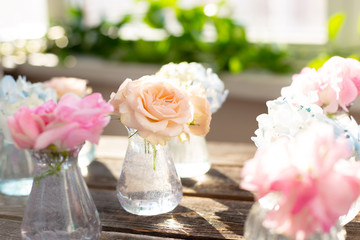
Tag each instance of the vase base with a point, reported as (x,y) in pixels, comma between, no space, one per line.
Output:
(191,169)
(16,187)
(149,207)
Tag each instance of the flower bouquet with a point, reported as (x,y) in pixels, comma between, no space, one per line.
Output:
(16,166)
(62,86)
(325,95)
(154,111)
(293,180)
(191,157)
(59,205)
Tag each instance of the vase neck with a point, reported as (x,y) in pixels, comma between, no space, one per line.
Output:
(50,157)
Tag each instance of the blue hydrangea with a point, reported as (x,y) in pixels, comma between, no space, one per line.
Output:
(17,93)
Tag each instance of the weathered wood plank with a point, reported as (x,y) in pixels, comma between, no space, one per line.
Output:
(194,218)
(221,153)
(10,229)
(117,236)
(219,182)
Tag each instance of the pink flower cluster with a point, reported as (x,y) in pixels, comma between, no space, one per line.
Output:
(65,125)
(313,176)
(335,85)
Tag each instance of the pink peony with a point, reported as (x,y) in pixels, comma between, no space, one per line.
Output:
(304,172)
(64,85)
(335,85)
(156,109)
(65,125)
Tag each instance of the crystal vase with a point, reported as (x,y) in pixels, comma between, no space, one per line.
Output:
(60,205)
(148,182)
(254,229)
(191,157)
(16,170)
(86,154)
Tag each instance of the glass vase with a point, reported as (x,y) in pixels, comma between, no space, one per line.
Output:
(191,157)
(16,170)
(60,205)
(86,154)
(254,229)
(148,182)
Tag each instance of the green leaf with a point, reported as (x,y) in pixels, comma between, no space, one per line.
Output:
(235,65)
(319,61)
(334,24)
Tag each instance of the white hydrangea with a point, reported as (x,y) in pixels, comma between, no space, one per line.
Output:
(347,126)
(15,94)
(286,118)
(188,74)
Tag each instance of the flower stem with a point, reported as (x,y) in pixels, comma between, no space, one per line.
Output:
(154,156)
(133,134)
(54,168)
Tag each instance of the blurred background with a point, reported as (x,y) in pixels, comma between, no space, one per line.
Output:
(254,45)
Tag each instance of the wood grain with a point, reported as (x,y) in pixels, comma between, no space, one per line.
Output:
(219,182)
(221,153)
(194,218)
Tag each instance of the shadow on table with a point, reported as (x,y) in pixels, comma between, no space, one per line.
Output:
(181,223)
(99,176)
(224,190)
(237,212)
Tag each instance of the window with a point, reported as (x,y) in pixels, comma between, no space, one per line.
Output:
(281,21)
(23,19)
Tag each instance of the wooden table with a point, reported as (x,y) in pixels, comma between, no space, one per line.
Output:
(213,206)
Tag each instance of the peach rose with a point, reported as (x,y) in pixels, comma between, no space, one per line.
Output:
(63,85)
(200,124)
(155,108)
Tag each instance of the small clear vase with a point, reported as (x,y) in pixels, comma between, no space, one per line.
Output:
(191,157)
(60,205)
(86,154)
(148,183)
(254,229)
(16,170)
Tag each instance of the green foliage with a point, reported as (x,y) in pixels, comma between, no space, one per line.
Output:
(319,61)
(335,23)
(229,51)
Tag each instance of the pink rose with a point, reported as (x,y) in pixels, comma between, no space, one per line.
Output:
(25,127)
(304,172)
(76,120)
(156,109)
(200,124)
(65,125)
(63,85)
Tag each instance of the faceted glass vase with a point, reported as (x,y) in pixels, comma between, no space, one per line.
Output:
(191,157)
(16,170)
(86,154)
(254,229)
(60,205)
(148,182)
